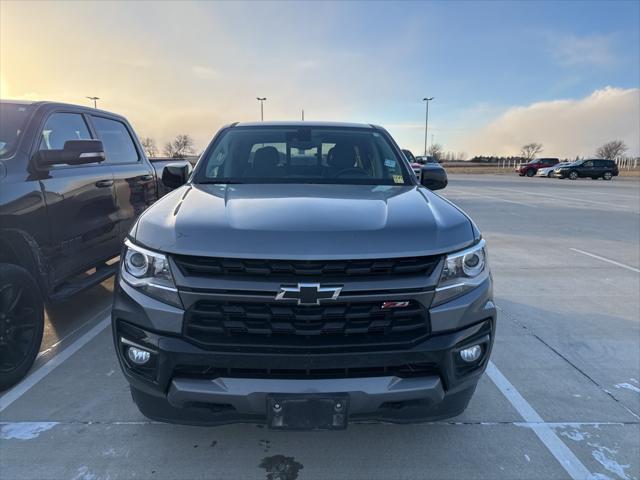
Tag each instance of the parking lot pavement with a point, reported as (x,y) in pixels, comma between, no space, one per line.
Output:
(560,400)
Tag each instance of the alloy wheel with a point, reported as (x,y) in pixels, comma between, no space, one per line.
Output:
(18,322)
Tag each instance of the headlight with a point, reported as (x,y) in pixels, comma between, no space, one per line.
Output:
(149,272)
(462,272)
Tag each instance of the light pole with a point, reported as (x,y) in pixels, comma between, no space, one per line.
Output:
(95,99)
(426,123)
(261,100)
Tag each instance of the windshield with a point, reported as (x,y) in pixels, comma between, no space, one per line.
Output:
(303,155)
(13,117)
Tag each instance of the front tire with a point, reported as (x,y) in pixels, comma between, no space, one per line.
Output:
(550,174)
(21,323)
(607,175)
(573,175)
(530,173)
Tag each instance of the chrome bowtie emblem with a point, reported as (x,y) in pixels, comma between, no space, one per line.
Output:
(308,293)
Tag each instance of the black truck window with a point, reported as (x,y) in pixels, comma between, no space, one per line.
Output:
(118,145)
(61,127)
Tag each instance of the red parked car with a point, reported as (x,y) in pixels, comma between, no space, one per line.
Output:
(531,168)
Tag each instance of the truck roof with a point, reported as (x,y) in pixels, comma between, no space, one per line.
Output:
(49,105)
(304,123)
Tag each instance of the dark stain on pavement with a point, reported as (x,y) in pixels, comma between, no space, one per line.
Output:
(279,467)
(213,443)
(266,445)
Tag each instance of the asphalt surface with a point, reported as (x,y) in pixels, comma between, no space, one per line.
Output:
(561,398)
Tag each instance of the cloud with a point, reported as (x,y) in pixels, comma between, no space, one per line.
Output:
(307,65)
(566,128)
(573,51)
(204,72)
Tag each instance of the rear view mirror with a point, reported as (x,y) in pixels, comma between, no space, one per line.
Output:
(175,175)
(433,178)
(74,152)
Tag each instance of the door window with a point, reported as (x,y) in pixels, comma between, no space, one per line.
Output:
(588,164)
(116,139)
(61,127)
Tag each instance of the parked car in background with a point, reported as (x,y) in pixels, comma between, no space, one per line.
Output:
(424,159)
(73,181)
(589,168)
(548,171)
(303,291)
(529,169)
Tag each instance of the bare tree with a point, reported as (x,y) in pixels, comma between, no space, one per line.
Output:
(150,147)
(435,150)
(181,146)
(530,150)
(611,150)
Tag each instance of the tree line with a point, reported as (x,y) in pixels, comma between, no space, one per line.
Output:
(183,146)
(180,147)
(613,150)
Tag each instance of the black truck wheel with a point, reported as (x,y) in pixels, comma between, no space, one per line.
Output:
(21,323)
(530,173)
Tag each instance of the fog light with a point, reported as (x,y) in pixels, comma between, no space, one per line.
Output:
(471,354)
(138,356)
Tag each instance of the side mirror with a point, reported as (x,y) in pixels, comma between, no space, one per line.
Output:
(175,175)
(433,178)
(74,152)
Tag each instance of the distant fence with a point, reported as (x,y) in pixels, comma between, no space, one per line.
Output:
(628,163)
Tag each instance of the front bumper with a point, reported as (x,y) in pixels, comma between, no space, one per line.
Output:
(193,384)
(188,384)
(171,395)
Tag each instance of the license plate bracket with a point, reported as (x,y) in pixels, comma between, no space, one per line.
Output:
(308,412)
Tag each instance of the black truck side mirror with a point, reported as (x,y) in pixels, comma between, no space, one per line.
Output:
(433,178)
(74,152)
(175,175)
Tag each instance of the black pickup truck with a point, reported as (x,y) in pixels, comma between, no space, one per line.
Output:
(73,180)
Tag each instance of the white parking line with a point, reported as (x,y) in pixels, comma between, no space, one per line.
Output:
(613,262)
(71,334)
(562,453)
(25,385)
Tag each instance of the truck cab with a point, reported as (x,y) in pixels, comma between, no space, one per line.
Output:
(73,181)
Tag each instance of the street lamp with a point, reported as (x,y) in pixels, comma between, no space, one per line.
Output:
(95,104)
(426,123)
(261,100)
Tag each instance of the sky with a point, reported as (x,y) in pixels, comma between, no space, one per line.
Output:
(565,74)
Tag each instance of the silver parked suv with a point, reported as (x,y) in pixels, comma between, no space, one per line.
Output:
(303,278)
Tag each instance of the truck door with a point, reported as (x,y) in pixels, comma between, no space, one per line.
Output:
(80,200)
(135,182)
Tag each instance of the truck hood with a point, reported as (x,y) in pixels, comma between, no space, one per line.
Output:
(303,221)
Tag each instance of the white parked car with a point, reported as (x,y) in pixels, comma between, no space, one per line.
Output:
(548,172)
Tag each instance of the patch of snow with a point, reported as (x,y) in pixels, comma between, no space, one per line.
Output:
(527,457)
(628,386)
(85,474)
(575,434)
(24,430)
(604,456)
